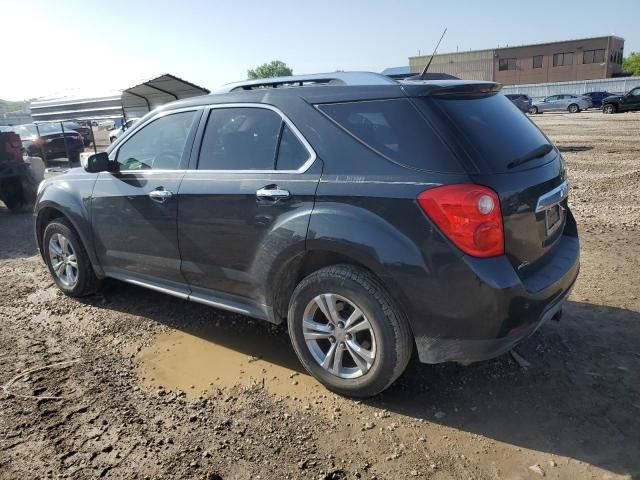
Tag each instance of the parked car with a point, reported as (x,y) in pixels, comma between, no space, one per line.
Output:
(597,97)
(622,103)
(83,130)
(116,132)
(337,208)
(17,183)
(523,102)
(566,102)
(50,143)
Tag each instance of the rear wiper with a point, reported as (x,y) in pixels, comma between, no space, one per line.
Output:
(541,151)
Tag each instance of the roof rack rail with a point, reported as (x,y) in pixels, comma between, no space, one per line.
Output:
(335,78)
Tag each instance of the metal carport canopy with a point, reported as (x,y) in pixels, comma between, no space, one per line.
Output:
(144,97)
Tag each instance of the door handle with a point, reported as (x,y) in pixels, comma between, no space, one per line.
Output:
(273,193)
(160,195)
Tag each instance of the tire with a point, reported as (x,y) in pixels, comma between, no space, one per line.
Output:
(381,330)
(12,194)
(609,108)
(533,110)
(86,281)
(573,108)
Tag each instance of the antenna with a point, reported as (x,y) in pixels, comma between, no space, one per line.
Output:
(432,55)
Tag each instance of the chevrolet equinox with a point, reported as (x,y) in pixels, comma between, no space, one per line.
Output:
(373,216)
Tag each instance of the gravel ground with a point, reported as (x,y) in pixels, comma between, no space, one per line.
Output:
(91,389)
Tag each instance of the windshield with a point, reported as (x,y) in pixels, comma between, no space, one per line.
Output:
(496,131)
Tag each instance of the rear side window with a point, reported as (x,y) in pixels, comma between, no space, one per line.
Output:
(240,139)
(394,129)
(499,133)
(249,139)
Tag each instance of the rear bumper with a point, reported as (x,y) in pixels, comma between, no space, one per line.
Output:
(485,308)
(465,351)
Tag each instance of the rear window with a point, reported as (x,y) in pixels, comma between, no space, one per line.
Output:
(396,130)
(497,131)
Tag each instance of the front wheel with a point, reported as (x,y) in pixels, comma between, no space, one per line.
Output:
(573,108)
(347,331)
(67,259)
(609,108)
(533,110)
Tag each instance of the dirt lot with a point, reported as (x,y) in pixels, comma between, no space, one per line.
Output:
(154,387)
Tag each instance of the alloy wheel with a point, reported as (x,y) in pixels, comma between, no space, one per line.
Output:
(63,259)
(339,336)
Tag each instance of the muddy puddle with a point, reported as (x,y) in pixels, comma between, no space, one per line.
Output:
(198,362)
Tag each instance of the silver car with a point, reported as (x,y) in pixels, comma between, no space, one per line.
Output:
(565,102)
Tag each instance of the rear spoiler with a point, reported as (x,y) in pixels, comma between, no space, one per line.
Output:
(451,87)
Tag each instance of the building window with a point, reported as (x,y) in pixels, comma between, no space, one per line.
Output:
(537,61)
(593,56)
(562,59)
(507,64)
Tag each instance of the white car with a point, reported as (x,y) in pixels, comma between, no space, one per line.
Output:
(115,133)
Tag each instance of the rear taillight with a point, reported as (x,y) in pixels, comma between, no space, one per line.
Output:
(469,215)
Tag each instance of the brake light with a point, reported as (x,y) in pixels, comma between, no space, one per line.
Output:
(469,215)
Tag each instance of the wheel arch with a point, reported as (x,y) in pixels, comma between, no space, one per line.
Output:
(285,280)
(48,210)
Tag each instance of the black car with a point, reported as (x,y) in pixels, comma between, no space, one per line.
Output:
(84,129)
(520,100)
(622,103)
(597,97)
(48,141)
(371,215)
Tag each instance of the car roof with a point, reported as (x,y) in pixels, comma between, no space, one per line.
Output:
(328,93)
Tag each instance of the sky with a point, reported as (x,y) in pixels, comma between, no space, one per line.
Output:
(90,47)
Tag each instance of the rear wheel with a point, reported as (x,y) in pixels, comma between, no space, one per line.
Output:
(533,110)
(347,332)
(609,108)
(573,108)
(67,259)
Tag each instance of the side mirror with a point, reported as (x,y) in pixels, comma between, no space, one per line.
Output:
(99,162)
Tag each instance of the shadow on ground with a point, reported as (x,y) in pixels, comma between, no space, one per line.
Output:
(580,397)
(16,234)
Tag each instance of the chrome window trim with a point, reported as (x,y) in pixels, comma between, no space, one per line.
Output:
(140,125)
(553,197)
(303,168)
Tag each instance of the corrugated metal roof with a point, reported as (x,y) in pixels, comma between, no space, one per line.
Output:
(134,101)
(144,97)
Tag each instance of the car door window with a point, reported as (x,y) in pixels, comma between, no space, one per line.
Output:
(635,92)
(240,139)
(158,145)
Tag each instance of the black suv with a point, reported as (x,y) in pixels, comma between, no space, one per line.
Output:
(371,215)
(622,103)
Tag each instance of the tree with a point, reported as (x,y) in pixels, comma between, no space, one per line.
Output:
(631,64)
(274,69)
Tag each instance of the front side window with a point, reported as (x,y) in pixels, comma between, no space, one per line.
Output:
(247,138)
(635,92)
(158,145)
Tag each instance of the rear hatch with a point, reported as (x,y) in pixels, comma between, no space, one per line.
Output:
(502,149)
